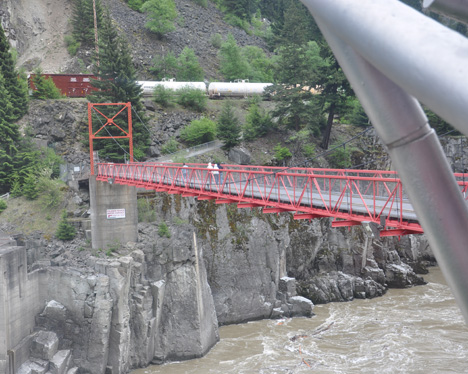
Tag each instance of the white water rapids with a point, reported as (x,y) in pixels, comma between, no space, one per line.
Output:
(415,330)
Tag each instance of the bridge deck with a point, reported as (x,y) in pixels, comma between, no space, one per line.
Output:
(350,196)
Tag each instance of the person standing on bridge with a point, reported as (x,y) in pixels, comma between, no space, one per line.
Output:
(184,173)
(210,168)
(220,167)
(216,173)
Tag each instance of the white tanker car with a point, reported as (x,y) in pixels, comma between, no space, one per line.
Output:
(238,88)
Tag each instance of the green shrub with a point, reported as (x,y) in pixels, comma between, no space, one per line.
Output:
(50,192)
(3,205)
(308,150)
(161,15)
(163,230)
(340,158)
(65,231)
(192,98)
(135,4)
(171,146)
(163,96)
(179,221)
(72,45)
(282,153)
(146,213)
(216,40)
(235,21)
(199,131)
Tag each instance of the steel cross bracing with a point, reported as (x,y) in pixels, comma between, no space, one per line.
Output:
(351,197)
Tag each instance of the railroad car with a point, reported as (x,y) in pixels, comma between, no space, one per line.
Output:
(70,85)
(171,84)
(79,85)
(238,88)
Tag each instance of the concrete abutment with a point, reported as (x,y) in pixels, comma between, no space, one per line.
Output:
(114,214)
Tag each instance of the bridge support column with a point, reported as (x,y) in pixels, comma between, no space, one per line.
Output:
(114,214)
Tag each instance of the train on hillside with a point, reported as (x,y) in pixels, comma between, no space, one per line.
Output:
(79,85)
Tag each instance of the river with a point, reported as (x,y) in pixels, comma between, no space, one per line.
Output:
(415,330)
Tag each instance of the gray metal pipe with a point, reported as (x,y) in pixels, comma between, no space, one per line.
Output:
(456,9)
(425,58)
(417,155)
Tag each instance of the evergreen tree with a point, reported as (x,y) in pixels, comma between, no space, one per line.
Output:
(261,67)
(81,26)
(189,68)
(65,231)
(165,66)
(233,64)
(14,87)
(241,8)
(27,161)
(16,190)
(30,190)
(306,63)
(271,9)
(298,27)
(161,15)
(335,91)
(83,20)
(229,130)
(117,84)
(45,87)
(257,123)
(9,135)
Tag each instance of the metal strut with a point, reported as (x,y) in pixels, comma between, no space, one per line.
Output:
(392,54)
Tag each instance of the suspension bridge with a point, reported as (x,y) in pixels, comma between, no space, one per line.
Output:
(350,197)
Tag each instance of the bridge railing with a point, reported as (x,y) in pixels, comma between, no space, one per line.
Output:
(353,196)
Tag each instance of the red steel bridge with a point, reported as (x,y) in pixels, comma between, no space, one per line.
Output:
(351,197)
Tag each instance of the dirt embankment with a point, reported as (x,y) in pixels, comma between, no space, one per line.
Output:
(36,28)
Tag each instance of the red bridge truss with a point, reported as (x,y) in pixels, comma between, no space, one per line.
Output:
(351,197)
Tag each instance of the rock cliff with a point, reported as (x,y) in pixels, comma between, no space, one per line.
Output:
(163,297)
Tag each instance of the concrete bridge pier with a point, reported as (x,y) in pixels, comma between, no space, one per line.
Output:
(114,214)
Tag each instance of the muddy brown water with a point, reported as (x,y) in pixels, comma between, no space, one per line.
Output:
(415,330)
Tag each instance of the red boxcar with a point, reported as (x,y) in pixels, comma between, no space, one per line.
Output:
(71,85)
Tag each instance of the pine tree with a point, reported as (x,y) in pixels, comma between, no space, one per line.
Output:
(161,15)
(30,190)
(45,87)
(165,66)
(83,20)
(117,84)
(229,130)
(189,68)
(233,65)
(65,231)
(306,61)
(13,85)
(241,8)
(9,135)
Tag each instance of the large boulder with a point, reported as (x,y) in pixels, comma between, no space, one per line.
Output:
(239,156)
